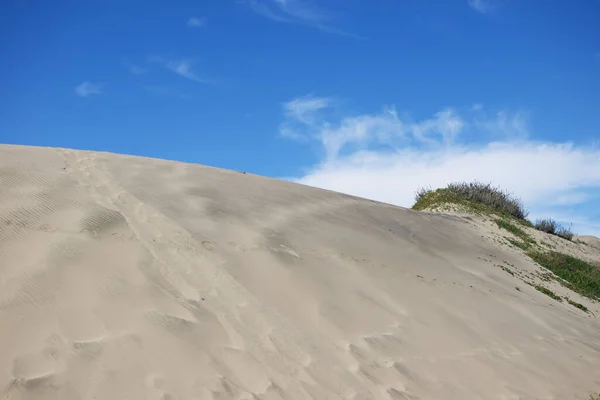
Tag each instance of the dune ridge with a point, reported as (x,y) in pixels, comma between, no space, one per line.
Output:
(130,277)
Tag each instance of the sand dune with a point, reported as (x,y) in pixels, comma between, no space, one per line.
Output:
(589,240)
(133,278)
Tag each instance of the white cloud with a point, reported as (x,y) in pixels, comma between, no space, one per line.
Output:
(303,109)
(385,157)
(384,128)
(446,124)
(181,67)
(355,132)
(285,10)
(505,125)
(87,88)
(477,107)
(302,113)
(196,22)
(482,6)
(296,11)
(263,9)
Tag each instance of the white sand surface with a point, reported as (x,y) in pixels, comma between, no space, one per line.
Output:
(133,278)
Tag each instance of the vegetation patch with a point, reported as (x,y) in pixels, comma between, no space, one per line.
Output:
(549,245)
(546,276)
(579,276)
(520,244)
(475,196)
(548,292)
(507,270)
(515,230)
(526,242)
(580,306)
(554,228)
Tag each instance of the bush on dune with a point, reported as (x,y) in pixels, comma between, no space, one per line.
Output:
(546,225)
(474,194)
(485,198)
(554,228)
(477,196)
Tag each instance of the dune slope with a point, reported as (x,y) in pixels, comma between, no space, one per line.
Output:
(589,240)
(135,278)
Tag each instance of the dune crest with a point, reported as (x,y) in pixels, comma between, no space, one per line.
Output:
(129,277)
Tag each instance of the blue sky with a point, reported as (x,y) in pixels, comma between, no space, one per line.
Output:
(372,98)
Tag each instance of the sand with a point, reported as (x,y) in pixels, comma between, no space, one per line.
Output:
(133,278)
(589,240)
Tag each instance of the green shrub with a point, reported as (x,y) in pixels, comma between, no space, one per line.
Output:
(565,233)
(421,193)
(481,196)
(546,225)
(554,228)
(426,198)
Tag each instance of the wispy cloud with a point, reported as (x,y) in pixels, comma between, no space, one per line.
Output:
(482,6)
(504,124)
(196,22)
(181,67)
(442,128)
(385,157)
(302,112)
(87,88)
(262,8)
(284,10)
(303,109)
(306,115)
(297,11)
